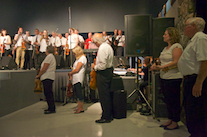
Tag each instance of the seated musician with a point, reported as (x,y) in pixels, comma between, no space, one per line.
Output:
(144,72)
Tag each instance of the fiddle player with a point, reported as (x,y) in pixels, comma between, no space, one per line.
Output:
(120,43)
(6,40)
(63,42)
(104,71)
(67,56)
(55,41)
(19,38)
(44,42)
(193,65)
(77,76)
(28,52)
(36,46)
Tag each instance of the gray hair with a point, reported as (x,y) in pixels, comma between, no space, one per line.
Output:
(99,40)
(50,49)
(198,21)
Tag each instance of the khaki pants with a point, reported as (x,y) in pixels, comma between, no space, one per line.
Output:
(20,52)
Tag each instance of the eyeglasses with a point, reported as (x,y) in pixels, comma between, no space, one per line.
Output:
(187,25)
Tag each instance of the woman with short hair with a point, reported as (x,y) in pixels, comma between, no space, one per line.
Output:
(47,76)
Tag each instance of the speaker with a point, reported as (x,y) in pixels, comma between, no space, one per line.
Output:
(7,63)
(159,27)
(119,104)
(120,62)
(138,35)
(59,62)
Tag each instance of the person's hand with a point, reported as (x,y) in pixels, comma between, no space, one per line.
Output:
(196,91)
(70,76)
(92,66)
(37,77)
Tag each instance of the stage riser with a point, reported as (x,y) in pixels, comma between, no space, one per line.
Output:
(16,92)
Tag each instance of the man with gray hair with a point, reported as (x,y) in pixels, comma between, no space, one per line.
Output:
(193,66)
(104,74)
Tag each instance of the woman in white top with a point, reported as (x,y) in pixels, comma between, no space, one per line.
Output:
(77,76)
(47,76)
(44,42)
(6,41)
(171,79)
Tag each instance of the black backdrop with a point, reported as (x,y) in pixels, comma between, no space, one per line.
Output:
(93,15)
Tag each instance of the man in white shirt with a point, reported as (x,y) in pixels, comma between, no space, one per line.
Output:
(36,48)
(104,74)
(20,40)
(55,40)
(81,39)
(121,43)
(63,42)
(107,38)
(193,66)
(29,52)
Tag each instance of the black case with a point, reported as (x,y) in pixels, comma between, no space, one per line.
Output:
(119,104)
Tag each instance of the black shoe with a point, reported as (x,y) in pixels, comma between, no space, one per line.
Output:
(46,110)
(166,128)
(49,112)
(103,121)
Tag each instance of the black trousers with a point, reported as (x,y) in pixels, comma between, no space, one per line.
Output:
(119,51)
(29,62)
(7,52)
(41,57)
(171,92)
(78,91)
(195,108)
(104,78)
(47,84)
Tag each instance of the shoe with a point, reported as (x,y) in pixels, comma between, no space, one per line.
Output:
(165,125)
(103,121)
(166,128)
(77,112)
(49,112)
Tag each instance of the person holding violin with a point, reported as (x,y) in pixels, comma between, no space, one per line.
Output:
(104,74)
(44,42)
(55,41)
(36,48)
(5,42)
(47,76)
(77,76)
(20,40)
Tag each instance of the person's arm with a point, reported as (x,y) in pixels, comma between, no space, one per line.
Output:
(199,80)
(43,70)
(175,55)
(76,70)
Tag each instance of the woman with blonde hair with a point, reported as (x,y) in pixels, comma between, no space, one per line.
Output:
(171,79)
(77,76)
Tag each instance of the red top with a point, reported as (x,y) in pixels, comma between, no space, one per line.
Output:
(87,41)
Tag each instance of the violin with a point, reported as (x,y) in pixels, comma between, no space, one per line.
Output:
(23,44)
(37,48)
(56,53)
(2,48)
(93,78)
(38,87)
(70,91)
(67,49)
